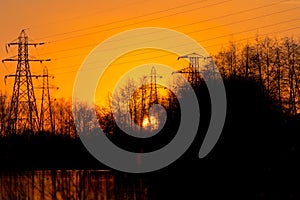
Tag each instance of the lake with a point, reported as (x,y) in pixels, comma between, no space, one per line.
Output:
(72,184)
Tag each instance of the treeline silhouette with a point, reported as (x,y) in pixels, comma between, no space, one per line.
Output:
(272,63)
(61,149)
(257,155)
(61,115)
(257,152)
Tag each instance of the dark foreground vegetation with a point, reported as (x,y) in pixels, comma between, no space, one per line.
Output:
(258,152)
(256,157)
(40,151)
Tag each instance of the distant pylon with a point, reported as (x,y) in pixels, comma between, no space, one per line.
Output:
(153,89)
(193,70)
(23,114)
(153,97)
(46,115)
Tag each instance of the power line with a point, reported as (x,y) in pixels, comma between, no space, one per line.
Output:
(105,10)
(222,36)
(240,21)
(201,30)
(140,22)
(252,37)
(161,17)
(237,13)
(206,20)
(273,32)
(248,30)
(223,16)
(127,19)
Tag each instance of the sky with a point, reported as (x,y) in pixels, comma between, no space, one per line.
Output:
(72,29)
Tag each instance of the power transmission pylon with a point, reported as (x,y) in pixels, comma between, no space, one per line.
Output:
(193,70)
(23,114)
(153,97)
(153,86)
(46,116)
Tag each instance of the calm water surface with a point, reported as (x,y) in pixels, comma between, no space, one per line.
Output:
(71,184)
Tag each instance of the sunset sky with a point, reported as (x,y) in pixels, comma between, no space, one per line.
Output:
(71,29)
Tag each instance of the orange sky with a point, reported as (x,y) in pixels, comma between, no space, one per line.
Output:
(71,29)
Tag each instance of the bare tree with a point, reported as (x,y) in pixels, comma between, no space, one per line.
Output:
(3,113)
(63,118)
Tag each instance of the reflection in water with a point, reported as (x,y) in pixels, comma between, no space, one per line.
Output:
(71,184)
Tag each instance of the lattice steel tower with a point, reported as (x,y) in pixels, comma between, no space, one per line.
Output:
(192,72)
(46,115)
(153,97)
(23,114)
(193,69)
(153,86)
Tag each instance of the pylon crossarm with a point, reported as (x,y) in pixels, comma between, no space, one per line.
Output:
(26,60)
(29,44)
